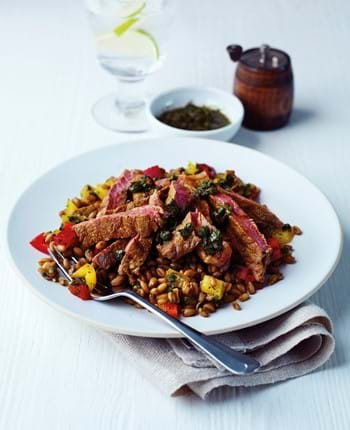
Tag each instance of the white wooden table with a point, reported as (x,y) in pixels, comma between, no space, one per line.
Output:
(57,373)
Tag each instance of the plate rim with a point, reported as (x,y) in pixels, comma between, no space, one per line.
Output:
(171,334)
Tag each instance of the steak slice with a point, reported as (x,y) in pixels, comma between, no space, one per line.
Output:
(128,206)
(107,257)
(117,194)
(181,193)
(246,237)
(143,220)
(178,246)
(203,207)
(136,253)
(164,182)
(156,198)
(221,258)
(261,214)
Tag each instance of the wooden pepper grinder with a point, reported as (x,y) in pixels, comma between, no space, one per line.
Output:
(264,84)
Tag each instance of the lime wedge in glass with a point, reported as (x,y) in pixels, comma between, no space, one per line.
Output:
(132,18)
(131,37)
(151,39)
(137,11)
(133,43)
(124,26)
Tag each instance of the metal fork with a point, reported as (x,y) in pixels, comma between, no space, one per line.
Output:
(233,361)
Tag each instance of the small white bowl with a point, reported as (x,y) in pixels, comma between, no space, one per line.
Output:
(227,103)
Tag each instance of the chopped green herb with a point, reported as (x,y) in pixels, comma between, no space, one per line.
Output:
(119,254)
(228,180)
(173,213)
(171,281)
(246,189)
(74,219)
(192,117)
(186,231)
(171,277)
(142,185)
(211,240)
(165,235)
(220,216)
(206,188)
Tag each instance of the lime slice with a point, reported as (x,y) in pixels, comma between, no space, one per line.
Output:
(133,44)
(130,44)
(123,27)
(151,39)
(132,18)
(137,11)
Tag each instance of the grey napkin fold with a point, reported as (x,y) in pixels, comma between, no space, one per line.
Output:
(288,346)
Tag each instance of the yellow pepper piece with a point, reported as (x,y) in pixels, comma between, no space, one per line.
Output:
(214,287)
(101,191)
(110,181)
(71,207)
(283,236)
(85,192)
(69,210)
(191,168)
(88,273)
(219,177)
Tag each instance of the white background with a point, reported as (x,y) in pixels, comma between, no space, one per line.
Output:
(57,373)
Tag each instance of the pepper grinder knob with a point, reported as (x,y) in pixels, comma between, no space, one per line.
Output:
(235,52)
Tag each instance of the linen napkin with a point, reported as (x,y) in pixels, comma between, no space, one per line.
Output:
(288,346)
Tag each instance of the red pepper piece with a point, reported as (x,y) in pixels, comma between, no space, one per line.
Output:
(39,243)
(245,274)
(80,290)
(276,249)
(66,236)
(171,309)
(154,172)
(210,171)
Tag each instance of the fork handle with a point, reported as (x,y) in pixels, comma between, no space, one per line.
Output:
(233,361)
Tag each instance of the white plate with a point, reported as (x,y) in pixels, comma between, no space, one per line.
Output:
(285,191)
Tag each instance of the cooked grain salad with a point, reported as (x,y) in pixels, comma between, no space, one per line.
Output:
(190,240)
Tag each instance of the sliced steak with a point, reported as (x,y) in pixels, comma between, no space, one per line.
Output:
(180,193)
(107,257)
(203,207)
(136,253)
(261,214)
(156,198)
(127,206)
(143,220)
(117,194)
(246,237)
(178,245)
(164,182)
(220,258)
